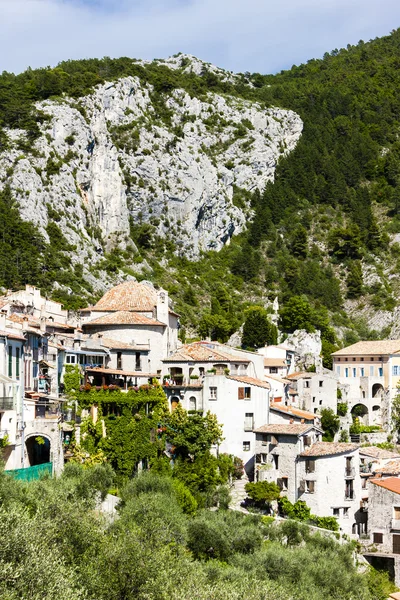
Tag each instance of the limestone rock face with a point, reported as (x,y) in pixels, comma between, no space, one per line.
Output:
(121,155)
(308,348)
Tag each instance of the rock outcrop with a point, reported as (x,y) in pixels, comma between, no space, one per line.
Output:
(109,161)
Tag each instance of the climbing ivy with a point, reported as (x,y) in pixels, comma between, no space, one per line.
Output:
(72,380)
(126,424)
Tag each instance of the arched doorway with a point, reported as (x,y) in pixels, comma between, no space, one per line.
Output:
(361,412)
(377,390)
(38,448)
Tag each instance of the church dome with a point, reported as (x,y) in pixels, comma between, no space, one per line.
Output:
(128,296)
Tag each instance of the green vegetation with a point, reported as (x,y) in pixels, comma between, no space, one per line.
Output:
(329,212)
(258,330)
(57,544)
(330,424)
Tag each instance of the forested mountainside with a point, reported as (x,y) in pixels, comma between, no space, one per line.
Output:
(149,169)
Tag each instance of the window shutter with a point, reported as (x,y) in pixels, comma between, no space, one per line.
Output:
(240,393)
(302,486)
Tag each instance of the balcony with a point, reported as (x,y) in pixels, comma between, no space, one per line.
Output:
(6,403)
(349,473)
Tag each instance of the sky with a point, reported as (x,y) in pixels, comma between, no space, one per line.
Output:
(239,35)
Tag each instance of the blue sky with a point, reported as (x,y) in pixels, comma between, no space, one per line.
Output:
(239,35)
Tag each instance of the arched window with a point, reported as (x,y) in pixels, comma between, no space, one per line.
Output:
(192,403)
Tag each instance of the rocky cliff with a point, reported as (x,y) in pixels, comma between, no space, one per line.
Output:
(108,160)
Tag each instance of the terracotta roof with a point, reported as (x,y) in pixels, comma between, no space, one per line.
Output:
(274,378)
(285,428)
(329,448)
(375,452)
(391,468)
(275,362)
(121,372)
(130,295)
(13,335)
(391,483)
(300,375)
(50,323)
(124,317)
(112,344)
(250,381)
(204,352)
(303,414)
(20,319)
(373,348)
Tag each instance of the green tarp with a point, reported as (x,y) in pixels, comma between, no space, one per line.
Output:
(32,473)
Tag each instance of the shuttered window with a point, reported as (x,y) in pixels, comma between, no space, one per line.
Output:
(397,513)
(378,538)
(396,544)
(241,393)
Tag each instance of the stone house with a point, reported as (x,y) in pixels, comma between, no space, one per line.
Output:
(277,449)
(376,460)
(371,372)
(384,524)
(139,320)
(314,391)
(329,482)
(278,360)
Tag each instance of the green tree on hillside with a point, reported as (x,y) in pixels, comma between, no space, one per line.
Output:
(258,330)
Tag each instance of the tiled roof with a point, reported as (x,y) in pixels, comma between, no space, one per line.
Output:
(300,375)
(109,343)
(328,448)
(275,378)
(390,483)
(274,362)
(204,352)
(121,372)
(303,414)
(129,295)
(374,452)
(285,428)
(20,319)
(250,381)
(372,348)
(124,317)
(13,335)
(391,468)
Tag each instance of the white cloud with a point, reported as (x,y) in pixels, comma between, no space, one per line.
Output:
(240,35)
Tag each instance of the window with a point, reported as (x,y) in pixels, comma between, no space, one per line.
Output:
(338,359)
(346,372)
(10,357)
(247,393)
(284,483)
(380,372)
(362,359)
(276,460)
(249,421)
(346,359)
(307,383)
(213,393)
(119,360)
(310,487)
(396,510)
(336,512)
(362,372)
(395,370)
(354,360)
(346,513)
(378,538)
(246,446)
(338,370)
(349,492)
(371,370)
(17,363)
(321,384)
(320,402)
(273,370)
(310,466)
(192,403)
(138,366)
(380,358)
(354,372)
(71,359)
(313,398)
(307,441)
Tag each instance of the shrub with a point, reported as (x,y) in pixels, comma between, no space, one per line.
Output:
(342,409)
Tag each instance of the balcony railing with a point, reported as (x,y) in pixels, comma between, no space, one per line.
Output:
(349,472)
(6,403)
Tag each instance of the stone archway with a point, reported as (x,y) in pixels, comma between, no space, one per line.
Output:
(377,390)
(361,412)
(38,448)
